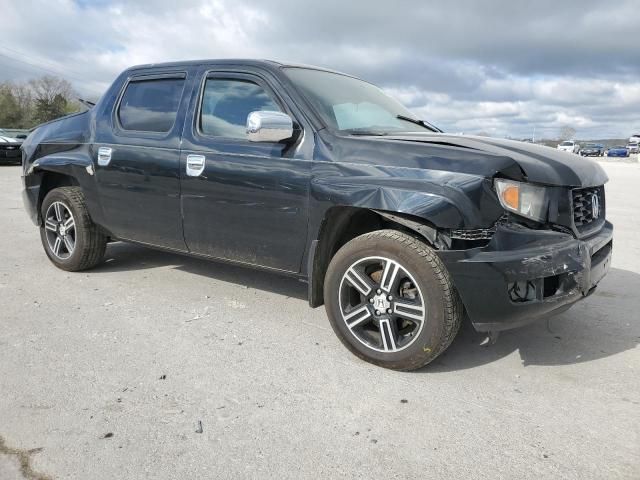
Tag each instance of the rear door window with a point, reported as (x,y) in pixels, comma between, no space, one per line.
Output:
(150,105)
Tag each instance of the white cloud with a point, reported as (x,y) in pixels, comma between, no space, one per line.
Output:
(467,66)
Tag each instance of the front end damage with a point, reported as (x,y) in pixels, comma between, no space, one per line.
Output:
(522,273)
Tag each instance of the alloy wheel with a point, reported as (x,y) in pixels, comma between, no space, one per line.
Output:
(381,304)
(60,229)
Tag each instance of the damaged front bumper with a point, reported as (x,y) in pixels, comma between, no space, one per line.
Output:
(525,274)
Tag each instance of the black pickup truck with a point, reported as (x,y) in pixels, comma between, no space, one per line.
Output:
(398,228)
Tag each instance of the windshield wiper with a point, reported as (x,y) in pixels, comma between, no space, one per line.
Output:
(422,123)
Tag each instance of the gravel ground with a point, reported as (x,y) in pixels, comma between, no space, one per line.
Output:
(161,366)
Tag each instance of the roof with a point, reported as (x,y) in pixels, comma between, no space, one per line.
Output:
(267,64)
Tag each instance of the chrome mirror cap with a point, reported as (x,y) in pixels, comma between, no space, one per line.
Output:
(268,126)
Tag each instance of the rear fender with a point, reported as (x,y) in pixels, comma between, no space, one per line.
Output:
(60,161)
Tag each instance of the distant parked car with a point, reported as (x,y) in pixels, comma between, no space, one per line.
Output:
(635,138)
(592,150)
(618,151)
(9,149)
(569,146)
(633,147)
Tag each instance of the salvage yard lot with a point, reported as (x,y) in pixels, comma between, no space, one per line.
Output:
(160,366)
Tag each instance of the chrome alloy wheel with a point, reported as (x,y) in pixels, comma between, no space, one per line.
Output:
(60,229)
(381,304)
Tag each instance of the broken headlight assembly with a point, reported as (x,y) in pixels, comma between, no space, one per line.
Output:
(527,200)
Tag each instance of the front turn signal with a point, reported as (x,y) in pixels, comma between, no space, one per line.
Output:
(531,201)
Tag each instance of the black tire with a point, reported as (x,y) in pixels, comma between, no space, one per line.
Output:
(89,242)
(443,308)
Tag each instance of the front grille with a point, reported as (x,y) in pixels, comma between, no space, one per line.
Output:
(588,208)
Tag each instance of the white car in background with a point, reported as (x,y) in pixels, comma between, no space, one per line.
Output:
(570,146)
(9,148)
(635,138)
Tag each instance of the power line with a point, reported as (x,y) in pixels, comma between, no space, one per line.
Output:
(37,59)
(48,70)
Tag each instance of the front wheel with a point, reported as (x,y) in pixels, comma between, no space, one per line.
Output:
(391,301)
(69,237)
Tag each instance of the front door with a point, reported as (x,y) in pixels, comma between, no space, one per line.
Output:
(137,152)
(242,201)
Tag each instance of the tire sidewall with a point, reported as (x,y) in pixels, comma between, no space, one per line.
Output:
(58,195)
(427,344)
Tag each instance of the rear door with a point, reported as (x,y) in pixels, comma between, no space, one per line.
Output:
(249,204)
(138,158)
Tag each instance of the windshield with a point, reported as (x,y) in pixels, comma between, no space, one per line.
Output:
(567,144)
(350,105)
(591,145)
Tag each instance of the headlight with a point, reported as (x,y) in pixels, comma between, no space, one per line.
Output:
(525,199)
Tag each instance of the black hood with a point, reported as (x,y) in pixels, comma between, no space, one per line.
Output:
(476,155)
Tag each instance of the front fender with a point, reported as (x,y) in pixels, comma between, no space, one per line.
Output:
(447,200)
(433,207)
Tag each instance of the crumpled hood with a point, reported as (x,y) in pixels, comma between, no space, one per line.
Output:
(538,164)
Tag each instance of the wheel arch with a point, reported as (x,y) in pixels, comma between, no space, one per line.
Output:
(58,169)
(344,223)
(47,180)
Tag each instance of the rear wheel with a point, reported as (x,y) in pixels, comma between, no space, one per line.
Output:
(69,237)
(391,301)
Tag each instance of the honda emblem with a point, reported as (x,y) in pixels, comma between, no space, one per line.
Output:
(595,206)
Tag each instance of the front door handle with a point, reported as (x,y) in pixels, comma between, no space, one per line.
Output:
(104,156)
(195,165)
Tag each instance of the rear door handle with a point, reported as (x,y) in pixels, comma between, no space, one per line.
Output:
(104,156)
(195,165)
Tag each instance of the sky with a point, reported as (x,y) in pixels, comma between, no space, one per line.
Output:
(497,67)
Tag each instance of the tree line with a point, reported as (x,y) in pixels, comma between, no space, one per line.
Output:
(30,103)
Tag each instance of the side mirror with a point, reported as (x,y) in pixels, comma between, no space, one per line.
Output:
(22,136)
(268,126)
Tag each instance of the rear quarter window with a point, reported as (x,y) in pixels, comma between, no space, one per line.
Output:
(150,105)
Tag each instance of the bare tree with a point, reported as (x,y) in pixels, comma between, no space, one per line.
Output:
(15,105)
(483,134)
(52,98)
(23,105)
(567,133)
(46,88)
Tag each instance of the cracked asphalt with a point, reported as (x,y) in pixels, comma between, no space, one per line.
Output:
(161,366)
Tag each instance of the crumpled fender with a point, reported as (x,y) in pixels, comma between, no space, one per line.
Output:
(66,161)
(444,199)
(60,147)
